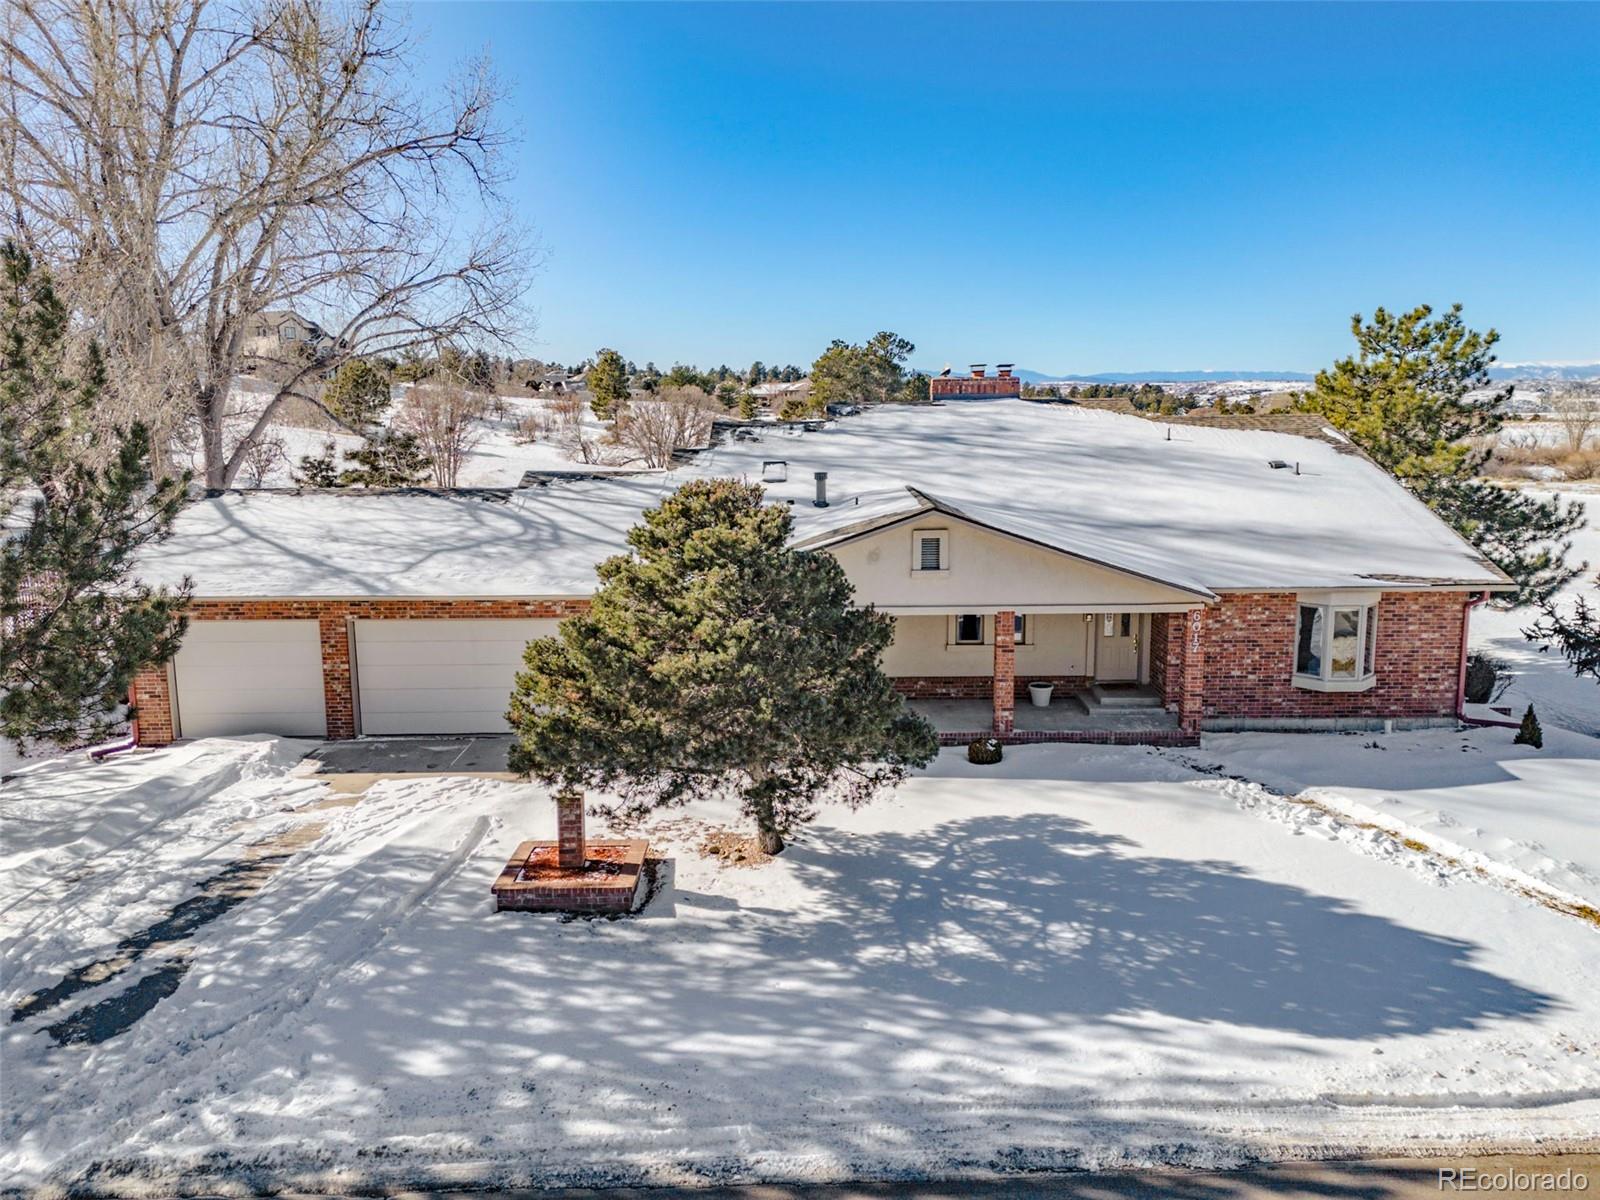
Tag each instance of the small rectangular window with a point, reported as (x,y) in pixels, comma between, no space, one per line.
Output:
(969,629)
(1369,667)
(1125,626)
(1308,643)
(1019,627)
(1346,648)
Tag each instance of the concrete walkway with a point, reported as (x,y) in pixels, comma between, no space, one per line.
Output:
(1541,1175)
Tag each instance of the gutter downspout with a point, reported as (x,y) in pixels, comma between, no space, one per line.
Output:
(1461,672)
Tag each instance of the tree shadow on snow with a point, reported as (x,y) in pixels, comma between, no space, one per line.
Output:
(1039,913)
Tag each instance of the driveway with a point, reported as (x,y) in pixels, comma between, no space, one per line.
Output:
(464,755)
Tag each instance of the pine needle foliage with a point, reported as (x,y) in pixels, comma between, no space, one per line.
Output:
(76,505)
(1415,398)
(716,660)
(1529,733)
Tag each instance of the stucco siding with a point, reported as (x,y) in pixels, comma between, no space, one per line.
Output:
(988,572)
(1057,645)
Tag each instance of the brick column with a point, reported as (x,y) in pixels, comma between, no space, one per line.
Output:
(152,700)
(1191,694)
(1005,672)
(338,697)
(570,848)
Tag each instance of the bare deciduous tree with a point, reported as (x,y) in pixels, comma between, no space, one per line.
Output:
(194,164)
(1579,418)
(445,420)
(653,429)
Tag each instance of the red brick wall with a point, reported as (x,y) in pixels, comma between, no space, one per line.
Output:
(152,702)
(1005,670)
(150,686)
(1249,659)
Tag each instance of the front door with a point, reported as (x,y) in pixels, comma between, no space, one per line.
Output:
(1117,654)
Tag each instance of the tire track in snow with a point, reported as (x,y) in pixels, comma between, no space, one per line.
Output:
(156,1080)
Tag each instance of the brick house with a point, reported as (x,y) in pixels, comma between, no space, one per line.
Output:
(1162,579)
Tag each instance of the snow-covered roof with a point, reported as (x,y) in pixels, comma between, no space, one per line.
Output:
(531,542)
(1196,507)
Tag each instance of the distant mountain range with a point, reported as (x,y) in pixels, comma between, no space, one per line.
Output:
(1551,371)
(1499,372)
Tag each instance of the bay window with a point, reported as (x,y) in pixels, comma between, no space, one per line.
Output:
(1335,643)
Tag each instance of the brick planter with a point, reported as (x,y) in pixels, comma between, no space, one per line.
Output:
(610,881)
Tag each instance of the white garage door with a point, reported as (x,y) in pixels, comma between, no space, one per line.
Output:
(439,676)
(250,677)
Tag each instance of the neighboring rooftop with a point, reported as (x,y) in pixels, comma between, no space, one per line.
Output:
(1198,507)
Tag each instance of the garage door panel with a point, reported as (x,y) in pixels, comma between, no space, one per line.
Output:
(236,677)
(406,657)
(415,700)
(429,677)
(440,676)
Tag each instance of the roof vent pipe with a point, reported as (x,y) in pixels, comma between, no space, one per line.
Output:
(822,489)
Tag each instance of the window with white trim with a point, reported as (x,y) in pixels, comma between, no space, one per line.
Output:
(930,550)
(1335,646)
(1019,628)
(969,629)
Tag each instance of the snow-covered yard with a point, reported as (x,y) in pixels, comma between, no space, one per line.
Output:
(1543,678)
(1085,955)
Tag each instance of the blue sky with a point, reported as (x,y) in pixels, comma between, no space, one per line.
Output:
(1073,188)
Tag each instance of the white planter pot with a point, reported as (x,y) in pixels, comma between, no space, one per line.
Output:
(1039,693)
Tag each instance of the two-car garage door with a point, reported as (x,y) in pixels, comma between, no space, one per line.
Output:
(411,676)
(439,676)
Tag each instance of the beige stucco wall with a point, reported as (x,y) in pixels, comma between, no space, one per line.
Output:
(989,572)
(923,645)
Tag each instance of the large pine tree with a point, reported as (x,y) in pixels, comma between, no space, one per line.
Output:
(716,660)
(75,506)
(1415,397)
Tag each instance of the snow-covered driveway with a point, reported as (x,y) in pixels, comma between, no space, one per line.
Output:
(1085,955)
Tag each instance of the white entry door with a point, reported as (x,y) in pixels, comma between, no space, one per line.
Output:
(1117,653)
(439,676)
(250,677)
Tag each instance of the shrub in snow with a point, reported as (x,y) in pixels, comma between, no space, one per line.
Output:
(985,751)
(1529,733)
(1486,678)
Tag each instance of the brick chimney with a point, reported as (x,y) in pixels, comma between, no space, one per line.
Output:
(979,385)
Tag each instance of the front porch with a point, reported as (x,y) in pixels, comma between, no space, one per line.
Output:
(1069,717)
(1110,670)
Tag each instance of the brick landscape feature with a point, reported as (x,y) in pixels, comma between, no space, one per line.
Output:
(609,880)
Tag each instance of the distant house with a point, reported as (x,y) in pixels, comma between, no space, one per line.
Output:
(1162,579)
(284,334)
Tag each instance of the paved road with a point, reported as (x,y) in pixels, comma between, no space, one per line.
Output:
(1570,1175)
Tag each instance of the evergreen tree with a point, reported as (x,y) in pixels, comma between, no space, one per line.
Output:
(318,470)
(358,393)
(1408,399)
(389,459)
(1529,733)
(749,406)
(1576,634)
(608,385)
(716,660)
(75,626)
(872,373)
